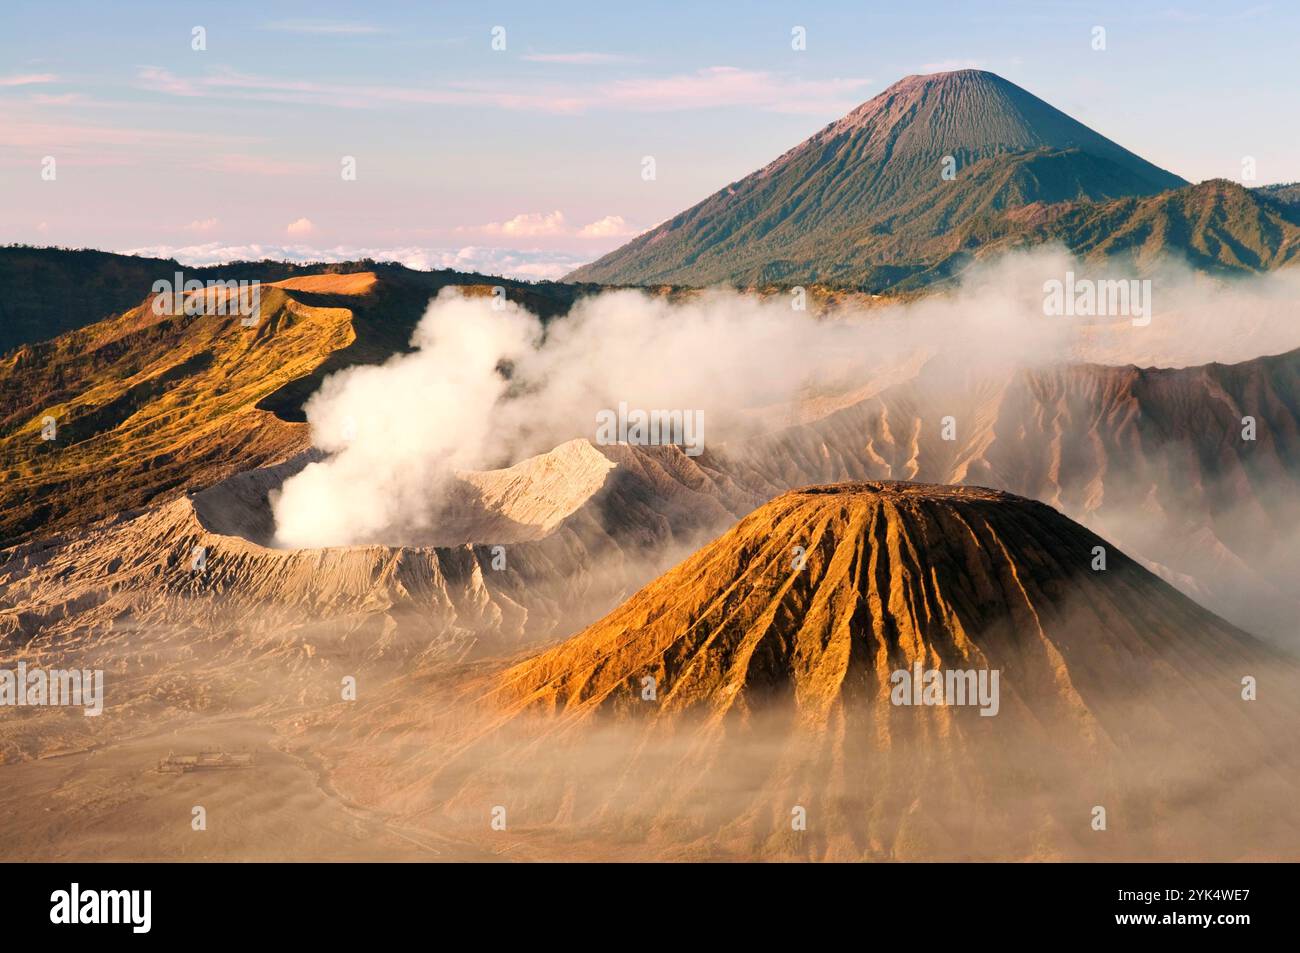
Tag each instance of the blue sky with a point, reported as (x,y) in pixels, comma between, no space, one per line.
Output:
(528,159)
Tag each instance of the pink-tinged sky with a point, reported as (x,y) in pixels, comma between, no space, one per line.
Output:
(528,160)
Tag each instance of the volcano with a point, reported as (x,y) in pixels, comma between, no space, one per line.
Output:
(768,675)
(907,188)
(813,601)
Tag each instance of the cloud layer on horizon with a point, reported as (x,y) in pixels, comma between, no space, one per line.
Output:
(532,265)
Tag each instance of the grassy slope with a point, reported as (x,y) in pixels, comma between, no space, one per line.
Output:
(45,292)
(150,406)
(1015,201)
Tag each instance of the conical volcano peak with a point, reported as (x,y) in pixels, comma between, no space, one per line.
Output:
(950,83)
(904,508)
(957,79)
(940,76)
(972,114)
(900,490)
(827,590)
(820,645)
(890,181)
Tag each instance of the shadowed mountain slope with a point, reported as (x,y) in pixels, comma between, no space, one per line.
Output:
(50,291)
(1216,226)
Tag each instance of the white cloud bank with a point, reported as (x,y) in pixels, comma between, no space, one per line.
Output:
(552,224)
(531,265)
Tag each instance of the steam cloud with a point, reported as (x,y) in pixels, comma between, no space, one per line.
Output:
(486,388)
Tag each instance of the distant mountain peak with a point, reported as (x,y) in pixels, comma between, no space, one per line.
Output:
(817,213)
(972,114)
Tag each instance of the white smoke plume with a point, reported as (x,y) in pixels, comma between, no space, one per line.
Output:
(486,388)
